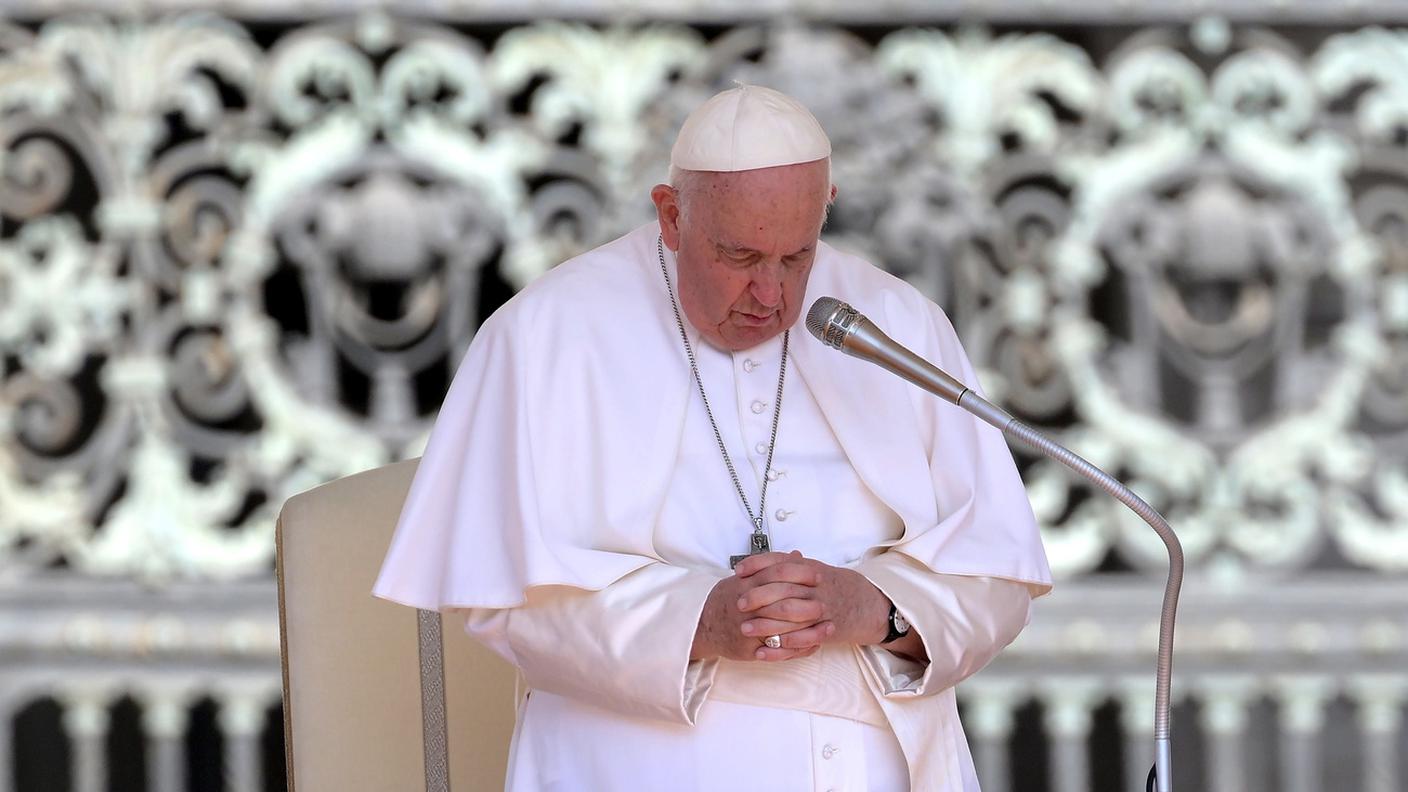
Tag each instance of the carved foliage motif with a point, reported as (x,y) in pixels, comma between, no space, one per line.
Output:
(232,269)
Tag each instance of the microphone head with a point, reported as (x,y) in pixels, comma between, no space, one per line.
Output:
(821,313)
(830,320)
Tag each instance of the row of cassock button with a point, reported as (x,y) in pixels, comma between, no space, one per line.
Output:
(761,448)
(781,515)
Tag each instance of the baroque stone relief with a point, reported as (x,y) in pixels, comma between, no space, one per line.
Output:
(232,268)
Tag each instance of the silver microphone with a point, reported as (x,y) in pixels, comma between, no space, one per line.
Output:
(842,327)
(839,326)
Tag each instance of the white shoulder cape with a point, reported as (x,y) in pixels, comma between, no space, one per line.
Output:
(554,447)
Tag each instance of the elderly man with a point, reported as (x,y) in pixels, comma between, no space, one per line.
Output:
(722,556)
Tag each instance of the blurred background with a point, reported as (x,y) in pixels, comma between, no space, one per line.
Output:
(243,245)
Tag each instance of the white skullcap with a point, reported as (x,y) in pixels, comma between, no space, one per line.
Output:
(749,127)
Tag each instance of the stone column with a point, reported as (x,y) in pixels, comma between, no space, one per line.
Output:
(241,720)
(1068,717)
(1224,722)
(165,716)
(1380,714)
(7,739)
(1137,723)
(988,720)
(1302,701)
(86,720)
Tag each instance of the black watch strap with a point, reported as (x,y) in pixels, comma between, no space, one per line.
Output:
(895,632)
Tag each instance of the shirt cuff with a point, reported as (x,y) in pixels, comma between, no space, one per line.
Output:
(963,621)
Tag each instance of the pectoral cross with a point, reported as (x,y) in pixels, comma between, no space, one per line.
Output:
(757,545)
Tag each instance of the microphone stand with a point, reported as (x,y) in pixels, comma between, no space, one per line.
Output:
(840,326)
(1161,774)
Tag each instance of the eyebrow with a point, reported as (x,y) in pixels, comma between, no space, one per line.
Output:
(729,247)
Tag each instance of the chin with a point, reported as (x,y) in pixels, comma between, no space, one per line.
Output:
(748,337)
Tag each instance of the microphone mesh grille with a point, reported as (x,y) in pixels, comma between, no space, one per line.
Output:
(822,311)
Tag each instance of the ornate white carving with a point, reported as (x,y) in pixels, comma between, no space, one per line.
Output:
(1181,259)
(235,266)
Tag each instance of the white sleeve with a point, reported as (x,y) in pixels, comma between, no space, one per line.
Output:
(624,648)
(964,621)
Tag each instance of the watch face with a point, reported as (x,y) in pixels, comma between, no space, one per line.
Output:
(901,623)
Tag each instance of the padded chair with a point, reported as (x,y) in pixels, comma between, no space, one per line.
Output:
(378,696)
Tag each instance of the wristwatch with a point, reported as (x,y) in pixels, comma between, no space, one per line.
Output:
(899,625)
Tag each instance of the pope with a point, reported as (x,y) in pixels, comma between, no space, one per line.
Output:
(721,555)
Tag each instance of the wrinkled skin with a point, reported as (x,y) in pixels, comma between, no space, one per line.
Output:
(806,602)
(745,243)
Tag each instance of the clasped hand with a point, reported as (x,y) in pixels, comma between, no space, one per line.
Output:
(806,602)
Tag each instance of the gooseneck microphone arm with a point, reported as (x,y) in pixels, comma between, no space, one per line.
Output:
(840,326)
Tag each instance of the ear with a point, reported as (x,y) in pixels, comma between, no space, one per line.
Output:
(667,209)
(832,198)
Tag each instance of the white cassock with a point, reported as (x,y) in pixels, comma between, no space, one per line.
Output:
(572,498)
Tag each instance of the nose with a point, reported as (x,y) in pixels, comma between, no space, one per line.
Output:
(767,284)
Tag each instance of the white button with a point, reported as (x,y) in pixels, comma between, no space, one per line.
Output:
(758,407)
(749,365)
(774,473)
(783,514)
(829,751)
(761,448)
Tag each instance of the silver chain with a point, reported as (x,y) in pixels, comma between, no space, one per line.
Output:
(776,410)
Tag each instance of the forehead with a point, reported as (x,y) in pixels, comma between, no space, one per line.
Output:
(804,180)
(765,206)
(787,244)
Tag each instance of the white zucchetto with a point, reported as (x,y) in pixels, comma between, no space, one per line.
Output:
(746,128)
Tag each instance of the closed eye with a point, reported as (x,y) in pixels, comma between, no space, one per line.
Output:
(745,257)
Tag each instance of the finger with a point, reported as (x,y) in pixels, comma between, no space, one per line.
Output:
(791,570)
(792,609)
(753,564)
(780,654)
(757,628)
(804,638)
(769,593)
(777,655)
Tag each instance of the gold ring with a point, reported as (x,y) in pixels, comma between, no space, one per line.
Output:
(773,642)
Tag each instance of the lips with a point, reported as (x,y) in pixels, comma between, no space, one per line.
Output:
(750,320)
